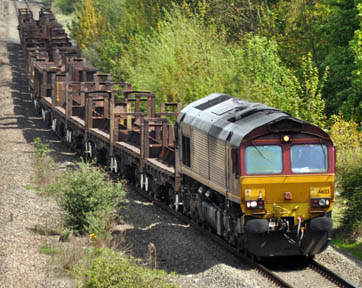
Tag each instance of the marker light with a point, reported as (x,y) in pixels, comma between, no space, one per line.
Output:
(286,138)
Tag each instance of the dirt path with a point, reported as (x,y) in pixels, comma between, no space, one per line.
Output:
(21,263)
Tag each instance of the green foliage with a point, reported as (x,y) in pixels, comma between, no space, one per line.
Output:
(66,6)
(47,249)
(355,248)
(352,107)
(45,170)
(89,197)
(90,22)
(313,105)
(41,149)
(336,34)
(295,26)
(175,49)
(347,140)
(107,268)
(180,61)
(184,60)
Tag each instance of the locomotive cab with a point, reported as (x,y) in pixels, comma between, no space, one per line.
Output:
(287,186)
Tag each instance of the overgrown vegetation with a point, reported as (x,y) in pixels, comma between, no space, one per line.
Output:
(354,248)
(107,268)
(91,202)
(302,57)
(183,57)
(347,139)
(89,197)
(45,169)
(47,248)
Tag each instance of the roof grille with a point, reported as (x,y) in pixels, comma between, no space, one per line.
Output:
(286,125)
(212,102)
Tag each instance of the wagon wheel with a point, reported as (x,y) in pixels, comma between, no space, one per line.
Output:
(136,178)
(148,184)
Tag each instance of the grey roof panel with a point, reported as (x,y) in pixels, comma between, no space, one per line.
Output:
(246,125)
(220,114)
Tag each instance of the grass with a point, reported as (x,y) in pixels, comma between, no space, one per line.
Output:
(45,168)
(108,268)
(47,249)
(354,248)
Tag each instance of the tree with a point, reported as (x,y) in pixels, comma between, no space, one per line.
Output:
(337,33)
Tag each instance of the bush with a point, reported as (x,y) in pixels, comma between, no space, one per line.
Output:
(66,6)
(347,140)
(89,197)
(107,268)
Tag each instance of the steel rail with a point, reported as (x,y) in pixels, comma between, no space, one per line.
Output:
(274,278)
(245,259)
(28,5)
(330,275)
(16,8)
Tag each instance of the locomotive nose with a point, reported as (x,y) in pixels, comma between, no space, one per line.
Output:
(288,195)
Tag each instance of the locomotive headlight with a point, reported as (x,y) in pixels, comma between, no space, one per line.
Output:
(255,204)
(286,138)
(322,202)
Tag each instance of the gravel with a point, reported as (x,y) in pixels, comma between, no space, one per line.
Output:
(21,210)
(343,264)
(197,260)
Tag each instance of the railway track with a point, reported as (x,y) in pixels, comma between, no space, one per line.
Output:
(325,273)
(24,1)
(322,275)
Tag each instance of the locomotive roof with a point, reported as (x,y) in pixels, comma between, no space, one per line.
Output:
(219,114)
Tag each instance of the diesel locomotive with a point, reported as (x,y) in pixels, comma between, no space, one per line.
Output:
(257,177)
